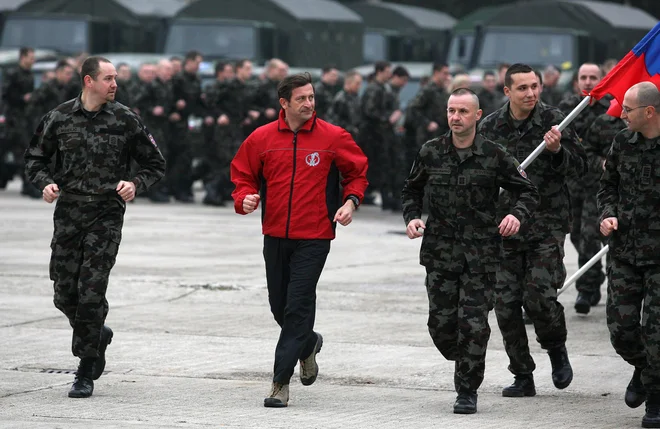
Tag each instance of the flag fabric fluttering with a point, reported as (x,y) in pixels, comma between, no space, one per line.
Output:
(639,65)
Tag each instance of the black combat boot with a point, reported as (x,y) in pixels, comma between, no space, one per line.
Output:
(635,392)
(83,385)
(562,373)
(583,303)
(99,364)
(652,417)
(523,385)
(466,403)
(595,298)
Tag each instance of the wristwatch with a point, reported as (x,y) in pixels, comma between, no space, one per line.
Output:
(356,200)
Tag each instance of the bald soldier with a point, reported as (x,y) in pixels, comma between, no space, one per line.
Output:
(462,243)
(628,202)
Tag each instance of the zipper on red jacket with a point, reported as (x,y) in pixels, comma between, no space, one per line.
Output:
(293,175)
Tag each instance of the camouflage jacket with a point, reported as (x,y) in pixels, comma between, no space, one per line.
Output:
(92,153)
(155,93)
(323,95)
(548,172)
(373,107)
(597,144)
(584,120)
(16,83)
(345,112)
(630,192)
(430,105)
(188,87)
(45,98)
(462,225)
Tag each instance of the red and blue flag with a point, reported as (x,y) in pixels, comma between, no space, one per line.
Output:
(639,65)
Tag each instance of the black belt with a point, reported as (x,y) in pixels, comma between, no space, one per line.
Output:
(87,198)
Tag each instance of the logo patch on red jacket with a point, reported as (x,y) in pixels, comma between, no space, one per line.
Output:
(313,159)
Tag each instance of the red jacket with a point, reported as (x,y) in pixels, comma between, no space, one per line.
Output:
(297,176)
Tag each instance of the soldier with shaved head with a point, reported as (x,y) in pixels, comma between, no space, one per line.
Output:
(463,172)
(628,201)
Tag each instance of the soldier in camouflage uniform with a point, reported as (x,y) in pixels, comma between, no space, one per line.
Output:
(93,138)
(429,107)
(50,94)
(324,91)
(394,168)
(532,266)
(345,107)
(265,102)
(628,202)
(155,103)
(583,193)
(17,88)
(232,110)
(376,127)
(462,239)
(187,91)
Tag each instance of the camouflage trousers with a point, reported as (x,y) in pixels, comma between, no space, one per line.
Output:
(530,274)
(84,247)
(459,304)
(585,236)
(633,317)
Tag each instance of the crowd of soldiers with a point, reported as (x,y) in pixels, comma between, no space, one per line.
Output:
(166,94)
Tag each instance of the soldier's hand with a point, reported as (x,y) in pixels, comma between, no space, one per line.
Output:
(552,139)
(413,227)
(608,225)
(254,114)
(208,120)
(126,190)
(395,116)
(175,117)
(432,127)
(181,104)
(27,97)
(51,192)
(509,226)
(223,120)
(270,113)
(250,203)
(345,213)
(158,111)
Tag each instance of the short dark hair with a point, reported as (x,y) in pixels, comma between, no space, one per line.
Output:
(327,68)
(291,82)
(466,91)
(120,65)
(439,66)
(381,66)
(62,64)
(240,63)
(24,51)
(220,67)
(175,58)
(92,67)
(515,69)
(488,73)
(400,71)
(192,55)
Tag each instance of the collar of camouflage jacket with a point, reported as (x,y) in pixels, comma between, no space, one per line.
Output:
(77,105)
(476,148)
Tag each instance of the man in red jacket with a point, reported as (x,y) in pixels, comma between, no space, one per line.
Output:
(293,166)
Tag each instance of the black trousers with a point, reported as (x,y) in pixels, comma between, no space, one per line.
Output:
(293,268)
